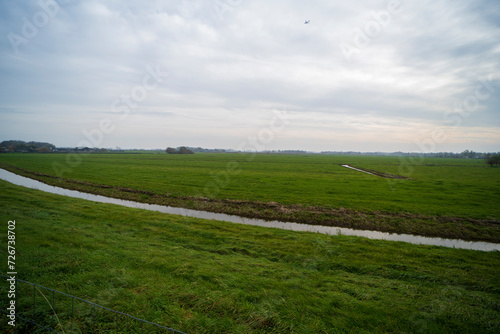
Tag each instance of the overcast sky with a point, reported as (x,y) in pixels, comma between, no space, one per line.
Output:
(361,75)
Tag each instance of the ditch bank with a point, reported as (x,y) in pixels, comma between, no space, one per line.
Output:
(446,227)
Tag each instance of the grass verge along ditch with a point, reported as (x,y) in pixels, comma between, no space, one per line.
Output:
(202,276)
(472,229)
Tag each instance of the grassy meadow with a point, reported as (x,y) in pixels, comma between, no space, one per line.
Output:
(202,276)
(451,198)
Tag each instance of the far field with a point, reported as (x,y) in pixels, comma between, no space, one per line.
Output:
(455,198)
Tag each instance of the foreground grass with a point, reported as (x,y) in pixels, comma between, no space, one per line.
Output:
(450,198)
(202,276)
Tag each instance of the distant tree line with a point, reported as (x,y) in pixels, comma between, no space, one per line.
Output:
(26,147)
(20,146)
(179,150)
(81,150)
(467,154)
(209,150)
(492,159)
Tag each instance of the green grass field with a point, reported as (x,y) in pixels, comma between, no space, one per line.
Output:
(454,198)
(201,276)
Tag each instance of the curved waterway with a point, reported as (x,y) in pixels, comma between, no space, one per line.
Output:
(330,230)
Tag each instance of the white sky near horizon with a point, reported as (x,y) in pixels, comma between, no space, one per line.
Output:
(404,75)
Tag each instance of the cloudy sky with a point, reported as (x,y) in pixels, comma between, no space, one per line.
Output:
(361,75)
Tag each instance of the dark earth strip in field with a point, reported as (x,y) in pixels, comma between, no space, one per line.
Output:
(464,228)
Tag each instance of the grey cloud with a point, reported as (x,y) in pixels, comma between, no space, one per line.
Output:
(248,58)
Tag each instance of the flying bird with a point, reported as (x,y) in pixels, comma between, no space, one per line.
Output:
(307,21)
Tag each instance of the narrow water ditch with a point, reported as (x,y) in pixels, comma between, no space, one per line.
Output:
(359,170)
(377,173)
(329,230)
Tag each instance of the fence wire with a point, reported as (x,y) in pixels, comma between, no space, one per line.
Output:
(58,315)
